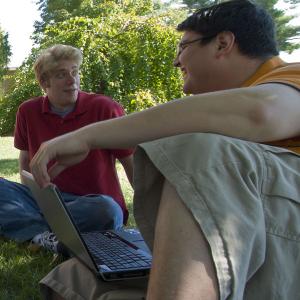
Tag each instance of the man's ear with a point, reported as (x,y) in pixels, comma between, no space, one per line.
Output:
(44,83)
(225,42)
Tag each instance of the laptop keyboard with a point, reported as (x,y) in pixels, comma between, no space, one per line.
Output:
(114,253)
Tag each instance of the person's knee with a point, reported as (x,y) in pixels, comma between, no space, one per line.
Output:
(11,191)
(48,294)
(211,149)
(210,142)
(102,213)
(112,213)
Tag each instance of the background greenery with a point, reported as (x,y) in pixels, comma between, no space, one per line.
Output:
(5,52)
(128,48)
(286,33)
(20,269)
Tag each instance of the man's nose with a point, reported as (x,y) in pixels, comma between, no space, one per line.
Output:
(176,62)
(71,79)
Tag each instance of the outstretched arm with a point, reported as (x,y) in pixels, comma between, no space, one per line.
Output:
(127,163)
(23,162)
(264,113)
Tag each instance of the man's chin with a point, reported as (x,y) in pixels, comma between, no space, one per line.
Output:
(187,89)
(193,90)
(71,91)
(72,94)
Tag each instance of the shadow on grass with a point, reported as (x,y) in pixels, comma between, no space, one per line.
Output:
(21,270)
(131,222)
(9,166)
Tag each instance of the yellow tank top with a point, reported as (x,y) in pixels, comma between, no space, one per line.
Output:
(276,70)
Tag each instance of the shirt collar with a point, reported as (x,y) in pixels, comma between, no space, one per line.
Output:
(79,109)
(266,67)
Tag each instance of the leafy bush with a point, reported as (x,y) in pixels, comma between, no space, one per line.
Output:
(126,56)
(24,87)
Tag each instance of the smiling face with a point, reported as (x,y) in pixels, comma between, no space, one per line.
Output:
(198,64)
(62,85)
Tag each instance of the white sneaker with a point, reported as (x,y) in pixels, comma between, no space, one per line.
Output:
(47,240)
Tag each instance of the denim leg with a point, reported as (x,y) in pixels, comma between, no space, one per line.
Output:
(20,217)
(94,212)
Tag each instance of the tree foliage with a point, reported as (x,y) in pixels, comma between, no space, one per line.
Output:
(125,54)
(5,53)
(128,48)
(55,11)
(24,87)
(128,53)
(286,33)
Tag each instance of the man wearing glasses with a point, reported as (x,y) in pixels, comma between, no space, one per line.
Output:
(91,189)
(215,200)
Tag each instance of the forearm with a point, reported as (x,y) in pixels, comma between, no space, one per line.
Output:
(23,163)
(127,164)
(259,114)
(239,113)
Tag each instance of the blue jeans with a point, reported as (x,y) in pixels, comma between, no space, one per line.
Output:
(21,218)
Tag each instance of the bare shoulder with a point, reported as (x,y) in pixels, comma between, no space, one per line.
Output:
(282,97)
(280,88)
(281,105)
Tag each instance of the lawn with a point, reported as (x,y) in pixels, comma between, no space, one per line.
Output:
(20,269)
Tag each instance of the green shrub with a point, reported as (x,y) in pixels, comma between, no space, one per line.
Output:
(127,57)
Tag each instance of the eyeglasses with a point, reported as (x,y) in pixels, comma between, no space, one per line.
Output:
(182,45)
(63,74)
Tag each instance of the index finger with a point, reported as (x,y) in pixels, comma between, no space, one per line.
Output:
(38,166)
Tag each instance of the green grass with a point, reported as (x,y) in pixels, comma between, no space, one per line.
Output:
(9,159)
(20,269)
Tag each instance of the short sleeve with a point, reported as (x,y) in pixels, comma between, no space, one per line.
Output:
(118,111)
(20,134)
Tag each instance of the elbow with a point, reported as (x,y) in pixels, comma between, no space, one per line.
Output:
(265,117)
(262,114)
(263,105)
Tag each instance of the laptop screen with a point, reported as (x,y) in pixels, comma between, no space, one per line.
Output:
(59,219)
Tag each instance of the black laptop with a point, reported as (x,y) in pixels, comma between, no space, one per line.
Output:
(113,255)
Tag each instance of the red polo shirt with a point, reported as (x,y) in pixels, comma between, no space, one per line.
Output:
(35,123)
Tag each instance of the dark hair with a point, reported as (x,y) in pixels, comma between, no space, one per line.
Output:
(251,25)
